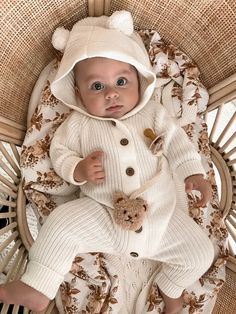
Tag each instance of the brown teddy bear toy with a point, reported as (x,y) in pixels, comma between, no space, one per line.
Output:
(129,213)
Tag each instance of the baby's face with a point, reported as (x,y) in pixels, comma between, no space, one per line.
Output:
(106,87)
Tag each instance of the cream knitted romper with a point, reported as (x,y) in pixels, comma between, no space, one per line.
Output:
(86,224)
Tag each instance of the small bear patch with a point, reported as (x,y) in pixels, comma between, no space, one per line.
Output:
(129,213)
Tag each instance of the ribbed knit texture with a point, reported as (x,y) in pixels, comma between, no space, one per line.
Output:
(81,226)
(86,224)
(186,253)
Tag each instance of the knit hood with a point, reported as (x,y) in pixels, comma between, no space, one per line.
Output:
(110,37)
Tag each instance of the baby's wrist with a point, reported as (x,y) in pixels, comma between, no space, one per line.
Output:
(77,175)
(194,175)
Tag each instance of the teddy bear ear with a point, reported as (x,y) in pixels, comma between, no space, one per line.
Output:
(122,21)
(118,197)
(60,38)
(143,202)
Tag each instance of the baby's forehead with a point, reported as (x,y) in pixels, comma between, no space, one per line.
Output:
(100,68)
(103,62)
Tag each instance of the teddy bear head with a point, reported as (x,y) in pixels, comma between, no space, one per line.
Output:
(129,213)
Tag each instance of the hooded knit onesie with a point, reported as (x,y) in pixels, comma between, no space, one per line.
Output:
(86,225)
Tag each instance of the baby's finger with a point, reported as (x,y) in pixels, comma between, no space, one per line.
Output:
(96,155)
(205,198)
(99,177)
(188,187)
(99,181)
(201,203)
(96,164)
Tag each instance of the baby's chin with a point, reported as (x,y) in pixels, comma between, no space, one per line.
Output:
(116,114)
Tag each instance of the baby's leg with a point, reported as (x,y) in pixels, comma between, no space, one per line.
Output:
(76,227)
(18,293)
(186,253)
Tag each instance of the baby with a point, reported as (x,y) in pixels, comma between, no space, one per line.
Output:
(106,77)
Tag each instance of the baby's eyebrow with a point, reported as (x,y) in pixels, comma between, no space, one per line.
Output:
(125,72)
(93,77)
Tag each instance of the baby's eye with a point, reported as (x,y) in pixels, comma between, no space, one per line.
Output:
(121,81)
(97,86)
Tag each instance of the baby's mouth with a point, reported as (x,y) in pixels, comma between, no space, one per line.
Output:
(114,107)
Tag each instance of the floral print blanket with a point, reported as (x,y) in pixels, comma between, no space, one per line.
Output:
(99,283)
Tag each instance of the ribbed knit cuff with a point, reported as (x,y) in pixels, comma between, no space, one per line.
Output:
(42,279)
(68,168)
(190,168)
(168,287)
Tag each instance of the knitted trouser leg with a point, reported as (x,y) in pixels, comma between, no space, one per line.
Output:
(186,254)
(78,226)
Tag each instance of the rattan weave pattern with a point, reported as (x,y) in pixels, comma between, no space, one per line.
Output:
(26,30)
(226,299)
(204,30)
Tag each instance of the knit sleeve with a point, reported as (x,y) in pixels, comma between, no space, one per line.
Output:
(181,154)
(65,149)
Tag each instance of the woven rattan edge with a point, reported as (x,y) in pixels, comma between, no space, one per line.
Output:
(223,93)
(231,264)
(98,7)
(226,195)
(25,233)
(11,132)
(222,84)
(12,123)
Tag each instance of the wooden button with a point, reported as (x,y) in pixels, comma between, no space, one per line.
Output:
(139,230)
(113,123)
(134,254)
(130,171)
(124,141)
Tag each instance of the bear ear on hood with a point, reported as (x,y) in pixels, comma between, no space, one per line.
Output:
(60,38)
(121,21)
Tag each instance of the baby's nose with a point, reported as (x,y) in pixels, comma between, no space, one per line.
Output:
(111,93)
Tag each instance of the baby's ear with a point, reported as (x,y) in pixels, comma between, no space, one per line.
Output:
(77,91)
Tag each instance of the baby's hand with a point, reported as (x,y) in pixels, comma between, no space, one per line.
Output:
(90,169)
(197,182)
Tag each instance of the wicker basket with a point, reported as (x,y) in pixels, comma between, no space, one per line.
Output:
(204,30)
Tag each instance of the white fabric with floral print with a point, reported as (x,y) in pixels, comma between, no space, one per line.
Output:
(100,283)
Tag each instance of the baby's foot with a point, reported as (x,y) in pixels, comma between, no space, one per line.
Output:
(17,292)
(172,306)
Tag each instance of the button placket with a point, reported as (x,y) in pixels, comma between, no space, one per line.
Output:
(129,171)
(124,141)
(127,156)
(134,254)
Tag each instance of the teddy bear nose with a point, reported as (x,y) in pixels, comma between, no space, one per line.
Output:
(129,216)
